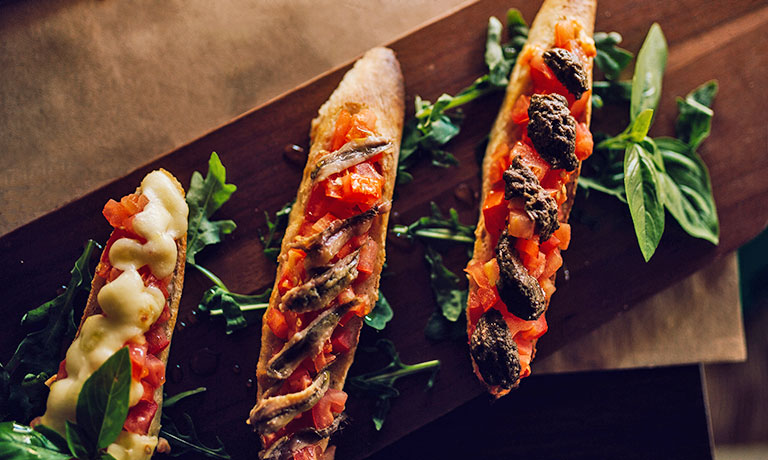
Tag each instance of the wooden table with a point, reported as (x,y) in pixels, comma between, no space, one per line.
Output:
(606,270)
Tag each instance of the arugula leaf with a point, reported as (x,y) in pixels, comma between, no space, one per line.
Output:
(645,204)
(445,285)
(22,389)
(695,118)
(170,402)
(204,197)
(688,190)
(432,127)
(380,315)
(219,301)
(649,71)
(103,402)
(437,227)
(183,444)
(380,383)
(22,442)
(275,231)
(611,59)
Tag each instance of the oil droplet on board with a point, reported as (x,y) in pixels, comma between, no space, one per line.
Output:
(176,374)
(236,368)
(249,383)
(464,194)
(204,362)
(295,154)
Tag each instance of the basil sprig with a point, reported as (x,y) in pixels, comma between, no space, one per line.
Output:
(652,175)
(102,407)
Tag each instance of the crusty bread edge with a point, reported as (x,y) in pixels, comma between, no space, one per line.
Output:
(505,131)
(375,82)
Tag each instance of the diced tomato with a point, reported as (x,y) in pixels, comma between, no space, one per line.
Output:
(584,142)
(149,391)
(368,253)
(119,215)
(519,112)
(150,280)
(474,308)
(298,381)
(138,354)
(491,269)
(553,263)
(363,125)
(531,158)
(343,339)
(499,164)
(115,213)
(157,340)
(62,372)
(564,235)
(535,264)
(548,286)
(565,30)
(343,123)
(487,297)
(165,315)
(155,371)
(140,417)
(520,225)
(345,296)
(322,360)
(276,322)
(363,184)
(527,247)
(311,452)
(579,106)
(345,250)
(544,81)
(330,404)
(323,222)
(477,274)
(547,246)
(495,212)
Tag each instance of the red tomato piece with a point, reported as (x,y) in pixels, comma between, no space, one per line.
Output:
(138,354)
(547,246)
(331,403)
(495,212)
(140,417)
(531,158)
(343,339)
(368,253)
(343,123)
(62,372)
(578,108)
(277,323)
(311,452)
(520,225)
(155,371)
(584,142)
(157,340)
(363,125)
(564,235)
(527,247)
(519,112)
(553,263)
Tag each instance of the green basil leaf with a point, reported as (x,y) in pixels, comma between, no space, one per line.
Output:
(498,65)
(38,355)
(640,126)
(645,205)
(381,314)
(610,58)
(77,441)
(20,442)
(445,285)
(649,71)
(615,190)
(688,190)
(55,438)
(103,402)
(695,118)
(204,197)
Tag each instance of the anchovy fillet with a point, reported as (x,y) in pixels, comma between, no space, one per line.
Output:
(275,412)
(350,154)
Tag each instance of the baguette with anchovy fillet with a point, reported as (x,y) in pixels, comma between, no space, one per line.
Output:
(133,302)
(530,169)
(330,261)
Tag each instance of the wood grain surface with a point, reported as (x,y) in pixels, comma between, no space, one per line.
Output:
(606,272)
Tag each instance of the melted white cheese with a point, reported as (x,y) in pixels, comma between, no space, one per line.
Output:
(129,307)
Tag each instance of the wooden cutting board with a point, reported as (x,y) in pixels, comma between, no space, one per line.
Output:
(606,272)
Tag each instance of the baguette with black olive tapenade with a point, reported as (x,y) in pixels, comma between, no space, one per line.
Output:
(330,261)
(530,169)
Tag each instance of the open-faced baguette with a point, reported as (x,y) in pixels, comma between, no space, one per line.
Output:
(358,130)
(522,210)
(133,302)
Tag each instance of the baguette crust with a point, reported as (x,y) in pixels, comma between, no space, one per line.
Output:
(505,131)
(174,291)
(376,83)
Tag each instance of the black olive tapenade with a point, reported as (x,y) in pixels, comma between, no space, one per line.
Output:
(552,130)
(519,291)
(568,70)
(520,182)
(494,351)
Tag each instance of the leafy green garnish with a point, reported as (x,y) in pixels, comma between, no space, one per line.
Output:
(612,60)
(22,389)
(437,227)
(381,383)
(445,286)
(380,315)
(275,231)
(432,127)
(182,444)
(653,174)
(204,197)
(22,442)
(220,301)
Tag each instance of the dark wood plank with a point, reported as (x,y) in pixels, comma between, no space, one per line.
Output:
(606,271)
(631,414)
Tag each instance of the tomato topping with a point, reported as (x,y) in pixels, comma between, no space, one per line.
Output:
(548,287)
(531,158)
(544,80)
(157,340)
(368,253)
(529,248)
(298,381)
(519,112)
(330,404)
(565,31)
(584,142)
(520,225)
(323,223)
(495,212)
(119,215)
(138,354)
(311,452)
(276,322)
(547,246)
(343,339)
(140,417)
(564,235)
(149,391)
(363,125)
(62,372)
(553,263)
(155,371)
(343,123)
(579,107)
